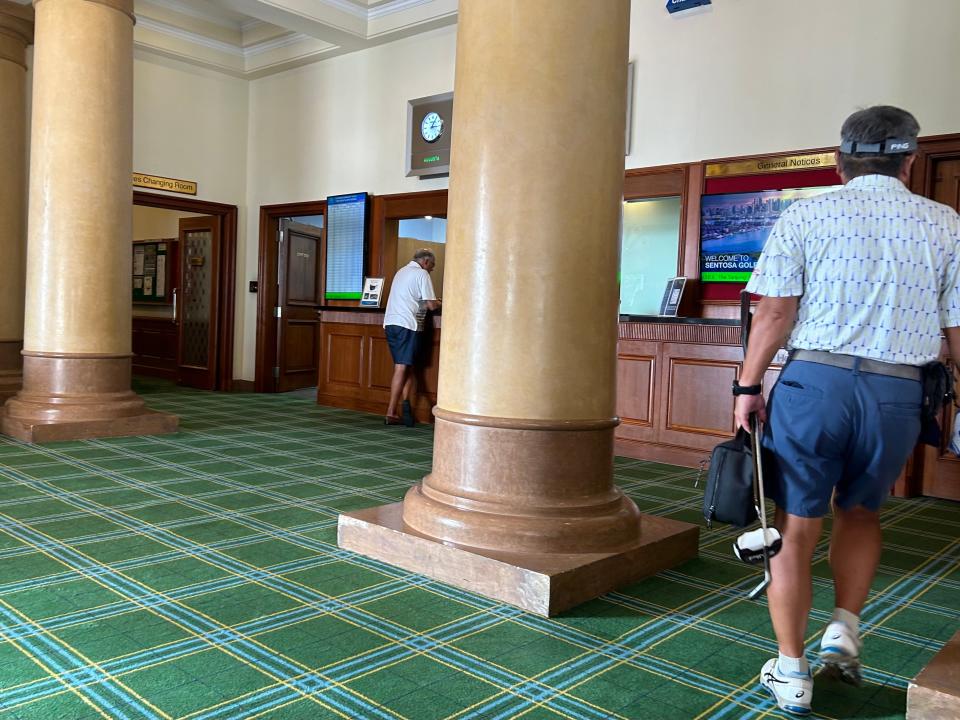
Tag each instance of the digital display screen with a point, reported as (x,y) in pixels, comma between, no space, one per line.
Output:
(734,227)
(346,246)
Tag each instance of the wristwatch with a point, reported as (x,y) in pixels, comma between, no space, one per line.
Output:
(739,389)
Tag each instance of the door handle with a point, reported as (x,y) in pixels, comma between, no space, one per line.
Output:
(175,306)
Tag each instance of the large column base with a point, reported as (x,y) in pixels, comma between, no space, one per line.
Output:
(78,397)
(148,423)
(544,584)
(934,694)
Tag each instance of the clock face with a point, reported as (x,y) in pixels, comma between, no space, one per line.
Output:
(432,127)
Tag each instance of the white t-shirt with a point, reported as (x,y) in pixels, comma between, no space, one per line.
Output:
(411,287)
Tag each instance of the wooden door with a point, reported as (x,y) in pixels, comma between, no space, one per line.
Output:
(198,302)
(941,468)
(299,293)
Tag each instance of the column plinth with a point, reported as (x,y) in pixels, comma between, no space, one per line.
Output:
(16,33)
(521,504)
(77,320)
(72,397)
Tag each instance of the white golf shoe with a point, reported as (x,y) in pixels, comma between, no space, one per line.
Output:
(840,653)
(793,693)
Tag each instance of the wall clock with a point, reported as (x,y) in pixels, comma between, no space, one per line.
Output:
(431,128)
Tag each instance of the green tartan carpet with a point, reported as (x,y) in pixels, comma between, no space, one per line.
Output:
(197,576)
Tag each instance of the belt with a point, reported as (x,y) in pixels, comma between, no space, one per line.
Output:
(909,372)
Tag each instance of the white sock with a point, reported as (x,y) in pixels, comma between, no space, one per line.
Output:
(792,666)
(845,616)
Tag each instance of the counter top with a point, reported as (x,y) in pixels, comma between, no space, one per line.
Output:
(677,320)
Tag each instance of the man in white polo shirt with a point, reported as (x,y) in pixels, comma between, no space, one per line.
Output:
(862,280)
(411,295)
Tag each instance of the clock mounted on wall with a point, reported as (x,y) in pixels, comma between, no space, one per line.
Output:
(431,127)
(429,135)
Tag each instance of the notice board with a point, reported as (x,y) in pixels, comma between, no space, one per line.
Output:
(152,270)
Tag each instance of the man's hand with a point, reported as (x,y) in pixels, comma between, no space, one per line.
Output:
(745,405)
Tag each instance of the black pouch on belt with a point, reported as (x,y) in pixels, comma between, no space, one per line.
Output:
(937,380)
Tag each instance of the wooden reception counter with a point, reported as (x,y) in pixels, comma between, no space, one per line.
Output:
(356,367)
(673,387)
(674,377)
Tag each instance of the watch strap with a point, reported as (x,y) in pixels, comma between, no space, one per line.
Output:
(739,389)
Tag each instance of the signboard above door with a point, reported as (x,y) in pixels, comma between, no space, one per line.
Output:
(156,182)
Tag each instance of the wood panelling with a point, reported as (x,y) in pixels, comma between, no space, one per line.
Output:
(663,181)
(681,332)
(154,345)
(697,404)
(635,386)
(686,385)
(344,357)
(356,366)
(381,363)
(301,348)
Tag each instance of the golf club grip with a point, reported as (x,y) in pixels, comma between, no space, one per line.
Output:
(744,320)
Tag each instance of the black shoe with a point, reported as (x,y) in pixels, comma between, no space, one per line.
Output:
(407,411)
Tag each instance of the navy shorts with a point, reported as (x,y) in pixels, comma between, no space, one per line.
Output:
(402,342)
(835,428)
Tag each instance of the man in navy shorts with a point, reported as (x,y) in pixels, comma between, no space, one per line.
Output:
(861,280)
(411,296)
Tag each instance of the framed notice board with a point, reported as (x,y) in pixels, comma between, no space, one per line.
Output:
(153,262)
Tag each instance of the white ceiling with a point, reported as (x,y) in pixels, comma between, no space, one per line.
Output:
(252,38)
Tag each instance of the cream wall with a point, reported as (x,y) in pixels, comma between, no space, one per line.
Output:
(755,76)
(150,223)
(191,123)
(740,77)
(336,127)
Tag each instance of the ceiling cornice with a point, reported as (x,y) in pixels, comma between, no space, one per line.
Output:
(391,7)
(193,11)
(196,38)
(253,38)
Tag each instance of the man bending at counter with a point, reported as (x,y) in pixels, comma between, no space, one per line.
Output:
(411,295)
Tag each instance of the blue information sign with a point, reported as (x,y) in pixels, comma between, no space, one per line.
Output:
(681,5)
(346,246)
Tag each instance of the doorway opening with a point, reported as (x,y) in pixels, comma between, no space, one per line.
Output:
(184,260)
(289,296)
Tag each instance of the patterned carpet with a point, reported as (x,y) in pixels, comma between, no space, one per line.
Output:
(197,576)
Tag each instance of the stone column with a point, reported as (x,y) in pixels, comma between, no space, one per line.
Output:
(16,32)
(521,503)
(77,325)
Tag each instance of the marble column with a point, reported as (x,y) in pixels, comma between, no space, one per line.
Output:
(521,504)
(16,32)
(77,323)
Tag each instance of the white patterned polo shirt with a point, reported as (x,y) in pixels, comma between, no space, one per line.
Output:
(878,269)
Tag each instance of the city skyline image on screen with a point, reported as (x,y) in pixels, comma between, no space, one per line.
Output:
(734,227)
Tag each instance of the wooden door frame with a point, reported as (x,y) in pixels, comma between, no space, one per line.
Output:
(270,216)
(930,149)
(228,271)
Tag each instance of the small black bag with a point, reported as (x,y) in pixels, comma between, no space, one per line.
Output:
(728,496)
(937,380)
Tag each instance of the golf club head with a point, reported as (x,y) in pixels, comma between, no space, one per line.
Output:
(751,547)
